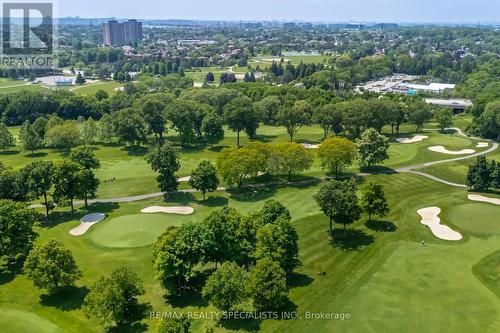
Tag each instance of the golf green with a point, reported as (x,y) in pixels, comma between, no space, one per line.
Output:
(475,218)
(134,230)
(24,321)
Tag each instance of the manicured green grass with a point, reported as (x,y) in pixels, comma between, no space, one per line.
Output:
(93,88)
(133,230)
(488,271)
(13,320)
(475,218)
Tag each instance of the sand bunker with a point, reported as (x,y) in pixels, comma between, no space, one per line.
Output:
(481,198)
(430,218)
(415,139)
(310,146)
(86,223)
(482,145)
(184,179)
(185,210)
(443,150)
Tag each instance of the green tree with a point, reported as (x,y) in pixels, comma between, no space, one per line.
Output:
(29,138)
(66,180)
(444,118)
(419,114)
(39,176)
(101,95)
(278,242)
(373,201)
(372,148)
(212,128)
(153,111)
(88,184)
(204,178)
(106,131)
(225,288)
(80,79)
(51,266)
(267,285)
(488,123)
(85,157)
(64,136)
(237,166)
(175,254)
(289,158)
(129,126)
(479,175)
(40,126)
(329,117)
(293,118)
(240,116)
(174,325)
(272,210)
(339,202)
(164,159)
(113,299)
(16,230)
(89,131)
(336,154)
(267,109)
(218,233)
(6,137)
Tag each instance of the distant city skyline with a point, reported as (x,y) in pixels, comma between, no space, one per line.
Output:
(398,11)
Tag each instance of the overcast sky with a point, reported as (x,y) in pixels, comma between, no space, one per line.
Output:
(304,10)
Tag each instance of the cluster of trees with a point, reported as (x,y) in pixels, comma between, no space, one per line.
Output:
(64,180)
(483,175)
(339,201)
(251,256)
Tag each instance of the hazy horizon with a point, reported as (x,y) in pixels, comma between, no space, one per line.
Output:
(410,11)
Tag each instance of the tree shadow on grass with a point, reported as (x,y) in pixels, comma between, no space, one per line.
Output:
(59,217)
(134,324)
(136,151)
(381,226)
(253,194)
(217,149)
(295,280)
(379,170)
(9,272)
(350,239)
(215,201)
(192,295)
(183,198)
(264,138)
(67,299)
(37,155)
(9,152)
(245,325)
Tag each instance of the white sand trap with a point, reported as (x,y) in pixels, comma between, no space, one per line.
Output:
(184,179)
(443,150)
(86,223)
(310,146)
(430,218)
(185,210)
(482,145)
(482,198)
(415,139)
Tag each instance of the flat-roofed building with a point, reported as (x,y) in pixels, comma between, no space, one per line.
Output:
(457,104)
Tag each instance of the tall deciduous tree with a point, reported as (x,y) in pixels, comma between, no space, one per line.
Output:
(164,159)
(29,138)
(339,202)
(289,159)
(237,166)
(225,288)
(6,137)
(39,178)
(329,117)
(212,128)
(204,178)
(240,116)
(373,201)
(16,230)
(294,117)
(66,180)
(113,299)
(267,285)
(336,154)
(51,266)
(372,148)
(419,114)
(444,118)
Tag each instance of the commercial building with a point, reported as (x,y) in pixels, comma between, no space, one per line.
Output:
(121,33)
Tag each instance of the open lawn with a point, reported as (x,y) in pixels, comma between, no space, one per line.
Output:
(92,88)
